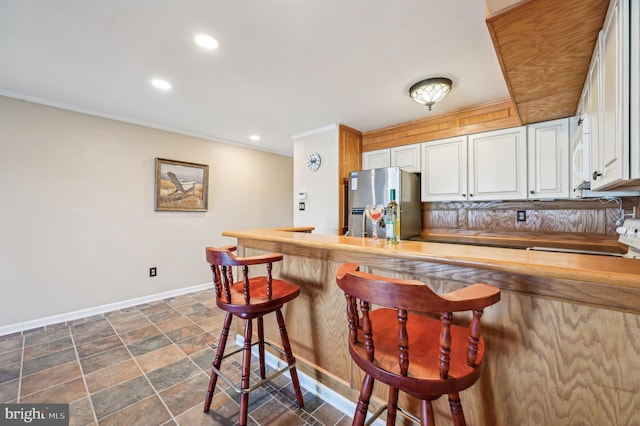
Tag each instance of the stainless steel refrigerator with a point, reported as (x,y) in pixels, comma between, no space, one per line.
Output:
(373,186)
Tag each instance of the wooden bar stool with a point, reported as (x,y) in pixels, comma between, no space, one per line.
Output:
(401,347)
(251,298)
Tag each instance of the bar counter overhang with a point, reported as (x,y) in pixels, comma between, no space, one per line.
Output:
(563,342)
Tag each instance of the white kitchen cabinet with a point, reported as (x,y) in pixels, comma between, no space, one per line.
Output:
(497,165)
(480,167)
(444,170)
(376,159)
(611,149)
(548,162)
(407,157)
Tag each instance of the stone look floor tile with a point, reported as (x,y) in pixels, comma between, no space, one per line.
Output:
(164,384)
(12,344)
(91,335)
(50,377)
(81,413)
(149,411)
(10,357)
(9,391)
(139,334)
(117,397)
(223,412)
(172,374)
(173,323)
(122,317)
(44,336)
(63,393)
(9,372)
(45,362)
(142,347)
(159,358)
(327,414)
(98,346)
(48,347)
(204,359)
(276,414)
(196,343)
(181,397)
(104,359)
(182,333)
(113,375)
(131,325)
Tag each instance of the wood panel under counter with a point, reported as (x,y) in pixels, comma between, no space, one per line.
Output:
(563,343)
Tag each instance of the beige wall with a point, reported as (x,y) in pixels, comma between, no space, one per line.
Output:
(77,222)
(321,205)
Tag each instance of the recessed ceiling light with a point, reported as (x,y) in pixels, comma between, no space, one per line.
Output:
(161,84)
(254,137)
(206,41)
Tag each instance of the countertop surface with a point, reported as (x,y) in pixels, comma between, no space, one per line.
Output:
(581,267)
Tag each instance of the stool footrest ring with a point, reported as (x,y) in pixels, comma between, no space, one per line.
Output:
(400,410)
(261,382)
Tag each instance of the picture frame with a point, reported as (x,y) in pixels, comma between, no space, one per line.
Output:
(181,186)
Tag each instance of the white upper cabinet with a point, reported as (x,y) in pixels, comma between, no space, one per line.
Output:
(376,159)
(498,165)
(407,157)
(444,170)
(480,167)
(610,149)
(548,162)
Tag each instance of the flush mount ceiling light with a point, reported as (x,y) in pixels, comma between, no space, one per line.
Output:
(161,84)
(430,91)
(254,138)
(206,41)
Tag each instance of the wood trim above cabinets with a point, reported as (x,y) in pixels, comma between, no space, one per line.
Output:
(494,115)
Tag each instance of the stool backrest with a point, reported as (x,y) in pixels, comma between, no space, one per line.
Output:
(406,296)
(222,261)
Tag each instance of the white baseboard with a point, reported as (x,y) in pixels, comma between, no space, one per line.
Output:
(97,310)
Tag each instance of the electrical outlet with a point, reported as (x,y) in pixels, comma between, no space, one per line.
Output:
(522,216)
(153,271)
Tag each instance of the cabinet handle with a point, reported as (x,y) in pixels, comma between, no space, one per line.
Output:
(532,192)
(464,195)
(596,174)
(470,195)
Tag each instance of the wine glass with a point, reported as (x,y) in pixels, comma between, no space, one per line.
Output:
(374,213)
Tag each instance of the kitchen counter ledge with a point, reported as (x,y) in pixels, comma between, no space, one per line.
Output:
(607,281)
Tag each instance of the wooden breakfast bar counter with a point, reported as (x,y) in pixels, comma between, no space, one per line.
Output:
(563,344)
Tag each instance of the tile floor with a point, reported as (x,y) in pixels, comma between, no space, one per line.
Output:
(146,365)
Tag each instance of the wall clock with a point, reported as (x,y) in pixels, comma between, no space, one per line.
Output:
(313,161)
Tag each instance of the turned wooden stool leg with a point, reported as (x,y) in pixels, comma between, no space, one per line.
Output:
(217,361)
(456,409)
(392,406)
(261,347)
(363,401)
(426,415)
(246,372)
(290,359)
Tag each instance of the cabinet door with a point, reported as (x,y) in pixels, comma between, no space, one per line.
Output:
(498,165)
(613,166)
(592,113)
(548,162)
(444,170)
(406,157)
(376,159)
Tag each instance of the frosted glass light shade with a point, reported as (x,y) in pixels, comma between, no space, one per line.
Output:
(430,91)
